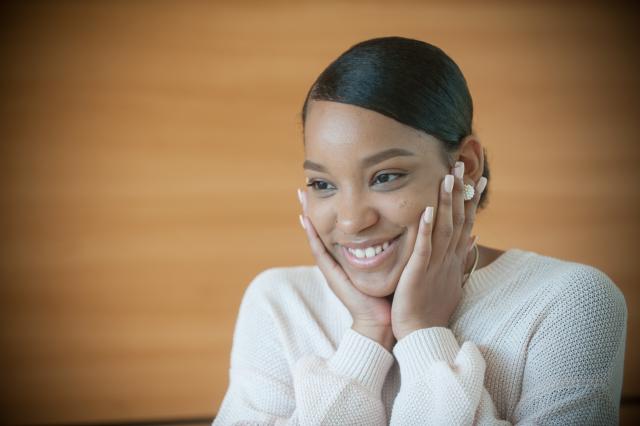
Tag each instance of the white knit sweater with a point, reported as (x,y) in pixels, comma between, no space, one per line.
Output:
(534,340)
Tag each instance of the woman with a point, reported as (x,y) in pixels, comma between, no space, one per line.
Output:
(405,319)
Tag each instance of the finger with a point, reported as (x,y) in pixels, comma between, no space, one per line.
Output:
(333,272)
(471,208)
(458,209)
(443,226)
(323,258)
(421,255)
(302,197)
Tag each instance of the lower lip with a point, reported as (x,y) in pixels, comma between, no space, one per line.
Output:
(370,262)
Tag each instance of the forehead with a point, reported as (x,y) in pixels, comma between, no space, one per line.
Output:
(353,131)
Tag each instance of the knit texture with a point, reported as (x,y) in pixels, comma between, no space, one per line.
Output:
(534,340)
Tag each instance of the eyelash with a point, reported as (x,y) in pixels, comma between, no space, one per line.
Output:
(312,183)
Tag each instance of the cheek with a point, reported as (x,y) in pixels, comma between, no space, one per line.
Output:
(404,211)
(407,213)
(410,207)
(322,217)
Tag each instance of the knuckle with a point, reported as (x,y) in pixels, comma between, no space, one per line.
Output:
(446,231)
(471,220)
(334,268)
(318,251)
(315,249)
(470,217)
(458,220)
(423,251)
(422,246)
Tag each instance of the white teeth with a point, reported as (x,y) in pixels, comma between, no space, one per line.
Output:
(369,251)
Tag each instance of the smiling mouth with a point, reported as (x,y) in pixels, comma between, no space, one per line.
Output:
(370,257)
(372,251)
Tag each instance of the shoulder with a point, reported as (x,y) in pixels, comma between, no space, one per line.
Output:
(582,323)
(575,285)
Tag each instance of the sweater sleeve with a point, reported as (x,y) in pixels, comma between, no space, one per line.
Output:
(442,382)
(266,387)
(572,375)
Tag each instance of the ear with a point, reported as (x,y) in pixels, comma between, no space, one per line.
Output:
(471,154)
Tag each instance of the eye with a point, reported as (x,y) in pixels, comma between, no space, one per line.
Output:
(319,185)
(387,177)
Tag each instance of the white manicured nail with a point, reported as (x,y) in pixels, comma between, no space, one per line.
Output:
(302,197)
(428,215)
(482,184)
(448,183)
(459,169)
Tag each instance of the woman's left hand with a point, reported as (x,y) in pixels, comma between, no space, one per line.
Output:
(430,286)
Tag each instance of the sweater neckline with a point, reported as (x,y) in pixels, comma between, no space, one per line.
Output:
(495,272)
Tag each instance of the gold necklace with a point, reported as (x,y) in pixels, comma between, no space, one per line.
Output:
(475,263)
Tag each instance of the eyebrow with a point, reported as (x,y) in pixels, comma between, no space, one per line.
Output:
(366,162)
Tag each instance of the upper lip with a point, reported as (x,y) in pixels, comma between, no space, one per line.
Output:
(367,243)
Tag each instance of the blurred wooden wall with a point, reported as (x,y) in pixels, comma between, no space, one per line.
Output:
(150,154)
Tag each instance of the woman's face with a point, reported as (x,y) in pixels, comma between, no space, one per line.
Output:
(371,178)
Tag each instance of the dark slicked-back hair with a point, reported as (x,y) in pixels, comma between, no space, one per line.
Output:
(408,80)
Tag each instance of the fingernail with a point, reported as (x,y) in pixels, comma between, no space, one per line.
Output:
(302,222)
(302,197)
(448,183)
(482,184)
(459,169)
(428,215)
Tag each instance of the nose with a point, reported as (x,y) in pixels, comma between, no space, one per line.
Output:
(354,214)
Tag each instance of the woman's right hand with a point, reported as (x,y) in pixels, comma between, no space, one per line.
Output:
(371,315)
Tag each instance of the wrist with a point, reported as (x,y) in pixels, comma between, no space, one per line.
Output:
(408,329)
(382,335)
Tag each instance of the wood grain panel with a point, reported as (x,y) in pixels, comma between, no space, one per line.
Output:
(151,151)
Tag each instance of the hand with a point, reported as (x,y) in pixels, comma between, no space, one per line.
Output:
(430,286)
(371,315)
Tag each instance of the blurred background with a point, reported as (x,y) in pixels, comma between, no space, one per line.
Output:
(150,154)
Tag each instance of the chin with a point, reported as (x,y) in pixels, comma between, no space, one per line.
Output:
(375,284)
